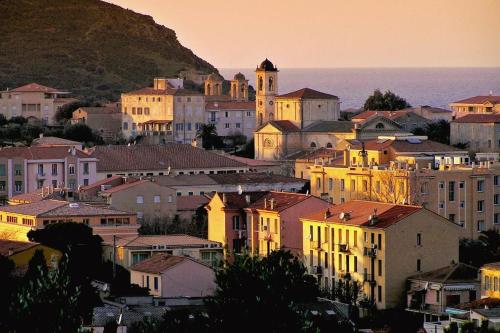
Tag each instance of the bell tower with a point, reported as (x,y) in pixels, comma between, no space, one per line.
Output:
(266,90)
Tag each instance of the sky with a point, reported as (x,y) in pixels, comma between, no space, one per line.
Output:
(333,33)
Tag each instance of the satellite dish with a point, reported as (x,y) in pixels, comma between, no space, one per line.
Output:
(240,190)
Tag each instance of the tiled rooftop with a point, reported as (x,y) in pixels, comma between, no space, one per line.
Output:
(454,273)
(281,201)
(479,118)
(360,211)
(54,141)
(35,87)
(158,263)
(177,240)
(40,152)
(307,93)
(401,145)
(9,247)
(53,208)
(479,100)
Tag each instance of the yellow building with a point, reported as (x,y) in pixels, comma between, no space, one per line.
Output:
(490,280)
(378,245)
(22,252)
(16,221)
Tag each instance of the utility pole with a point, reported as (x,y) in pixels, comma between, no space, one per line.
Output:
(114,257)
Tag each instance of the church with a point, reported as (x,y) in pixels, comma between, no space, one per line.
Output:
(304,120)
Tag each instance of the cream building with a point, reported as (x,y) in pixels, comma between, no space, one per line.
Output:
(477,104)
(171,114)
(363,242)
(33,101)
(481,132)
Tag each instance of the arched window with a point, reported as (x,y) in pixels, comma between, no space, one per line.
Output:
(242,88)
(271,116)
(260,118)
(261,83)
(271,87)
(234,90)
(208,92)
(313,145)
(379,126)
(268,143)
(216,92)
(329,145)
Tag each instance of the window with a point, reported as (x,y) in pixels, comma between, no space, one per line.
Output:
(495,181)
(365,185)
(190,193)
(133,111)
(419,239)
(54,169)
(139,199)
(355,262)
(170,198)
(238,125)
(156,199)
(318,183)
(419,265)
(227,125)
(379,242)
(236,222)
(355,238)
(146,111)
(441,184)
(461,184)
(311,258)
(71,169)
(140,215)
(139,110)
(438,296)
(342,185)
(85,182)
(39,184)
(496,218)
(326,260)
(353,185)
(480,225)
(424,188)
(379,267)
(311,233)
(480,185)
(451,191)
(147,281)
(2,185)
(86,168)
(125,126)
(496,199)
(480,205)
(330,184)
(18,186)
(451,217)
(18,170)
(40,170)
(226,114)
(441,204)
(462,204)
(379,298)
(155,282)
(2,170)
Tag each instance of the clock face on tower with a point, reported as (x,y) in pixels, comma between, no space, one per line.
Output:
(270,102)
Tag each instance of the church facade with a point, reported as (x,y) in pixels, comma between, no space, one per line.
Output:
(303,120)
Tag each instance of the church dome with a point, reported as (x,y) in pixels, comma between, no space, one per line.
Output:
(267,66)
(215,77)
(239,77)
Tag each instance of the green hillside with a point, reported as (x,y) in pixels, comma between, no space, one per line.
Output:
(90,47)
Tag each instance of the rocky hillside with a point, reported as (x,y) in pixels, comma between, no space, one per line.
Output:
(90,47)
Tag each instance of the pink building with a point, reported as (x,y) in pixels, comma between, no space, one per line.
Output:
(26,169)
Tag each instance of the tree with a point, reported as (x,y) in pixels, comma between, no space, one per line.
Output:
(208,134)
(438,131)
(110,327)
(387,101)
(269,288)
(37,266)
(6,293)
(18,120)
(49,303)
(248,150)
(65,112)
(81,133)
(3,120)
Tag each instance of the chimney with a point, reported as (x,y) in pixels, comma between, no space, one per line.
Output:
(272,203)
(373,219)
(40,135)
(357,131)
(247,199)
(346,157)
(224,199)
(265,203)
(328,214)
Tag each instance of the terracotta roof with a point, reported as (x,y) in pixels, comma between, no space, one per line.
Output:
(54,141)
(253,178)
(403,146)
(321,153)
(37,196)
(282,125)
(35,87)
(48,208)
(158,263)
(171,241)
(455,273)
(233,200)
(431,109)
(360,211)
(158,157)
(479,118)
(489,302)
(104,181)
(125,186)
(307,93)
(492,265)
(251,161)
(40,152)
(192,202)
(168,91)
(479,100)
(230,105)
(393,115)
(98,110)
(10,247)
(282,201)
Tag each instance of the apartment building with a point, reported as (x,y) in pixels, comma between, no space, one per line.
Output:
(26,169)
(33,101)
(476,105)
(131,250)
(259,221)
(432,113)
(169,113)
(363,242)
(159,160)
(106,121)
(16,221)
(231,118)
(466,194)
(481,132)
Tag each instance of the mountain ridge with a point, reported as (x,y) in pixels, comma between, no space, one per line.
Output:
(90,47)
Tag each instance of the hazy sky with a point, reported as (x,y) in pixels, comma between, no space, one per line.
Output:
(333,33)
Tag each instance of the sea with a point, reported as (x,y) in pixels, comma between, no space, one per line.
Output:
(419,86)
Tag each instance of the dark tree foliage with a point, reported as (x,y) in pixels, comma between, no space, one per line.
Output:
(6,293)
(3,120)
(439,131)
(37,266)
(481,251)
(248,150)
(210,139)
(48,303)
(81,133)
(65,112)
(110,327)
(268,288)
(18,120)
(385,101)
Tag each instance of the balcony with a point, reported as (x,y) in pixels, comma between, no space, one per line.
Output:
(344,248)
(370,252)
